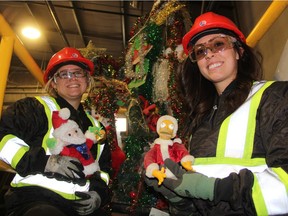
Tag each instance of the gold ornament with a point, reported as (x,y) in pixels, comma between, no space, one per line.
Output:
(91,50)
(169,8)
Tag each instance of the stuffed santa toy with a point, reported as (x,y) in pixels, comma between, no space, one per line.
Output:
(166,146)
(69,140)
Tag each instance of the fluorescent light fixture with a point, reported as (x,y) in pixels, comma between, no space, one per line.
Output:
(31,32)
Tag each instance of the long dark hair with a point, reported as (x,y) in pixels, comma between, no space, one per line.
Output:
(199,93)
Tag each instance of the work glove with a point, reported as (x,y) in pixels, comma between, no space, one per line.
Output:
(167,193)
(89,202)
(178,206)
(189,184)
(65,168)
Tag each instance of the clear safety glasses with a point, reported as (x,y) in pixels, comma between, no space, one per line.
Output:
(68,74)
(216,44)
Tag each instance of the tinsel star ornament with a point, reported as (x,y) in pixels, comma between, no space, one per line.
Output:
(91,51)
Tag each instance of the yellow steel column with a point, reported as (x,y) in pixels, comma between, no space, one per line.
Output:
(6,50)
(268,18)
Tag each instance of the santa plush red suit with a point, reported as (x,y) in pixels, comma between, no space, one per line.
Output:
(83,154)
(163,149)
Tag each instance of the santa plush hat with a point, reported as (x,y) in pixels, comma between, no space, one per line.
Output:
(61,122)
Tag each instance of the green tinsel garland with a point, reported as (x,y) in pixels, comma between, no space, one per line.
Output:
(154,37)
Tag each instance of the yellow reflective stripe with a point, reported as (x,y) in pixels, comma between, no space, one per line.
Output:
(64,195)
(12,155)
(221,144)
(258,199)
(93,120)
(222,167)
(250,133)
(230,161)
(50,105)
(5,139)
(247,122)
(63,188)
(105,177)
(100,148)
(96,123)
(283,176)
(18,156)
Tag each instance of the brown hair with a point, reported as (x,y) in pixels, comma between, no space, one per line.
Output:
(199,94)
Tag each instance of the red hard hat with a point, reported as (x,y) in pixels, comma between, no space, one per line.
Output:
(209,21)
(67,55)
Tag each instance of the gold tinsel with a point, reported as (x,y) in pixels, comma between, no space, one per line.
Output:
(91,50)
(120,87)
(162,15)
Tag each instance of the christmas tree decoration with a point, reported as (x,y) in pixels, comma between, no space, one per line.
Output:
(141,51)
(91,51)
(164,12)
(144,85)
(108,67)
(151,113)
(104,100)
(161,74)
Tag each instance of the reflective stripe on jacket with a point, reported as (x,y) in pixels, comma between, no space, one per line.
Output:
(234,152)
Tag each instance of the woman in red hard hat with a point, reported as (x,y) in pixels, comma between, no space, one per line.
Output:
(46,184)
(238,126)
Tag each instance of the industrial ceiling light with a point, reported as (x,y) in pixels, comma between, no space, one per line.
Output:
(31,32)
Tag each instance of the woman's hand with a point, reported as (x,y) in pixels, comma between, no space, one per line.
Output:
(189,184)
(65,168)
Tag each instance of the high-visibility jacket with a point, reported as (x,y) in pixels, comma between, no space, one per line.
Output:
(238,147)
(12,148)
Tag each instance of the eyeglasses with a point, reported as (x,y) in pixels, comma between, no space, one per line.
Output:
(216,44)
(68,74)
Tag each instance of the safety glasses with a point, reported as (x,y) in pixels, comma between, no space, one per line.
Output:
(216,44)
(68,74)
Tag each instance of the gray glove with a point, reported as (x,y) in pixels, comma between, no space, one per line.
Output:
(167,193)
(89,202)
(65,168)
(189,184)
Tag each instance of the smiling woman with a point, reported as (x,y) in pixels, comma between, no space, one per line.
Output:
(25,129)
(31,32)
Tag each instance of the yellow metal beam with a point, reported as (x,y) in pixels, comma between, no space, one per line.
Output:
(21,51)
(6,47)
(268,18)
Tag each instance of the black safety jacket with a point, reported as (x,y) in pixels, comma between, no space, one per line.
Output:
(26,120)
(249,191)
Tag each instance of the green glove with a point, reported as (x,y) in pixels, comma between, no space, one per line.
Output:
(189,184)
(180,206)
